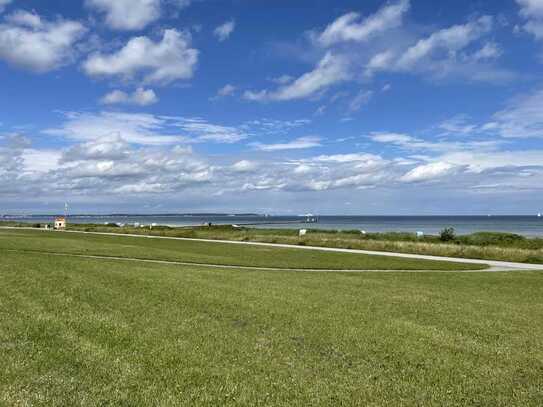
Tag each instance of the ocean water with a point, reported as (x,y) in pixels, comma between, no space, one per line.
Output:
(524,225)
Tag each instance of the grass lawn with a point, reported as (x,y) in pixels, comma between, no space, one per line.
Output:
(210,253)
(76,331)
(482,245)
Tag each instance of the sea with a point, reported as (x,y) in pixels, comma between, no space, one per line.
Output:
(531,226)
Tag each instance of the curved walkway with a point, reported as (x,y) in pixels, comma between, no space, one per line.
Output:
(494,265)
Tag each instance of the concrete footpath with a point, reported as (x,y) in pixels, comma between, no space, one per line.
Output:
(494,265)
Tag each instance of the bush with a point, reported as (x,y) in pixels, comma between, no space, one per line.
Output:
(447,234)
(494,239)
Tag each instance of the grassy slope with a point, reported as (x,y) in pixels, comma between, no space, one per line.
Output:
(212,253)
(90,332)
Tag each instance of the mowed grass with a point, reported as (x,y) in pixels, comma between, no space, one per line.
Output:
(89,332)
(210,253)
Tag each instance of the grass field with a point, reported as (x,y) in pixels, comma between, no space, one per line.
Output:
(482,245)
(210,253)
(78,331)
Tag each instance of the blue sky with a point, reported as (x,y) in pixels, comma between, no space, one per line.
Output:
(330,107)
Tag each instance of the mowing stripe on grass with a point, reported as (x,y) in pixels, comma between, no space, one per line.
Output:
(493,264)
(255,268)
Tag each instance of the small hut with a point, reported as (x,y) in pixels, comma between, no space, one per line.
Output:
(60,223)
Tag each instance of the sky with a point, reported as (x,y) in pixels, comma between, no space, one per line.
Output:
(400,107)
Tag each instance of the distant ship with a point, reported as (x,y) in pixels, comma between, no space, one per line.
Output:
(539,215)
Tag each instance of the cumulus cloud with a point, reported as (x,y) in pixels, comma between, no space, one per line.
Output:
(297,144)
(127,14)
(30,42)
(114,167)
(160,62)
(223,31)
(348,28)
(140,97)
(331,70)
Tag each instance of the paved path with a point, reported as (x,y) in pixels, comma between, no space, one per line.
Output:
(493,264)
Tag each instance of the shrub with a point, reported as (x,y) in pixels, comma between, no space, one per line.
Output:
(447,234)
(494,239)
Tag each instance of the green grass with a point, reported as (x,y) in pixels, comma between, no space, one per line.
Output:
(210,253)
(481,245)
(91,332)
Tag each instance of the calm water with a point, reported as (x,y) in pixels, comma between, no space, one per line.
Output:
(525,225)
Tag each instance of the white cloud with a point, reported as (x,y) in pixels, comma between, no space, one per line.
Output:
(451,40)
(478,162)
(144,128)
(458,125)
(379,62)
(244,166)
(429,172)
(282,80)
(158,62)
(103,148)
(522,118)
(127,14)
(136,128)
(532,10)
(297,144)
(40,161)
(28,41)
(490,50)
(226,90)
(223,31)
(362,98)
(395,138)
(205,131)
(100,168)
(331,70)
(445,53)
(140,97)
(346,27)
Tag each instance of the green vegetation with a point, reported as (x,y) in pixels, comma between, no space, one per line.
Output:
(210,253)
(79,331)
(483,245)
(447,235)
